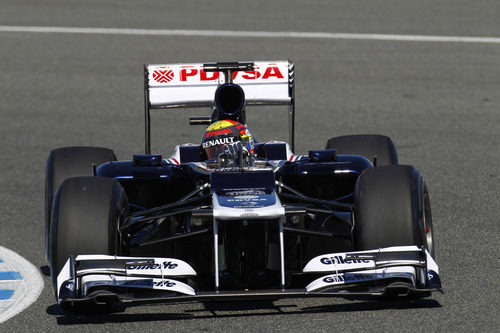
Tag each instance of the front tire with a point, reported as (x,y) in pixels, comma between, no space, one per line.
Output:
(392,208)
(64,163)
(85,220)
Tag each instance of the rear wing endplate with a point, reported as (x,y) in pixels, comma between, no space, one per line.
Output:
(188,85)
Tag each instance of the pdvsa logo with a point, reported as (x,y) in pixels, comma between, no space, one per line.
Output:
(191,73)
(163,75)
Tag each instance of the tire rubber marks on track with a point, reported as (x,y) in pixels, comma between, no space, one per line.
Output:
(20,284)
(251,34)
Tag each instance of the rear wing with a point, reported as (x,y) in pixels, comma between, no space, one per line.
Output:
(189,85)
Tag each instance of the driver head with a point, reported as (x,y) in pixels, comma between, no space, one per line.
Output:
(226,137)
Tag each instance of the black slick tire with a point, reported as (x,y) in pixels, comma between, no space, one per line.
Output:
(65,163)
(392,208)
(85,220)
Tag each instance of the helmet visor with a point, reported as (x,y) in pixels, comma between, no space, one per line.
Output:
(214,146)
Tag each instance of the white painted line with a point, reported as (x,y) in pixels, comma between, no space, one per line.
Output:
(250,34)
(22,283)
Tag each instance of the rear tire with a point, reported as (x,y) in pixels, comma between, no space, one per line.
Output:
(85,220)
(65,163)
(367,145)
(392,208)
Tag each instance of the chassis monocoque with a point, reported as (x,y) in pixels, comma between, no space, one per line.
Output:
(347,220)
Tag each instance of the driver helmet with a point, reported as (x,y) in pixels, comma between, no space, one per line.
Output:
(226,137)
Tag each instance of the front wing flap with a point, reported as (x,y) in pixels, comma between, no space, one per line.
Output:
(404,264)
(83,274)
(100,278)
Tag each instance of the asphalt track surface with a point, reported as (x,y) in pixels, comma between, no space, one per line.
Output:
(439,101)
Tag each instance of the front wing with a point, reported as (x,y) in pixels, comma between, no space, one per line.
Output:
(102,279)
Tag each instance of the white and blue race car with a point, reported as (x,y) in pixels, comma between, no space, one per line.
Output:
(233,218)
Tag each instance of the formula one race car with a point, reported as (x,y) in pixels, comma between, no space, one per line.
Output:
(235,218)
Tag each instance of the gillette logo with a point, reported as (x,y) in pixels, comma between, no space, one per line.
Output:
(153,266)
(341,260)
(149,283)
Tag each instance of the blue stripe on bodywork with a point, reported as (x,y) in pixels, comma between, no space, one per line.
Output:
(10,276)
(6,294)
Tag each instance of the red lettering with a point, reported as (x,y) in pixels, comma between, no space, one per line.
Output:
(204,76)
(185,72)
(251,75)
(218,132)
(272,71)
